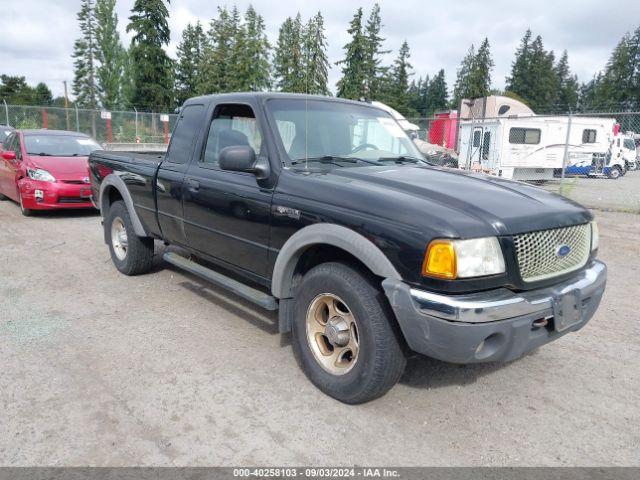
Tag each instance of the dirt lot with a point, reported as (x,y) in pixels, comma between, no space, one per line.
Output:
(622,195)
(100,369)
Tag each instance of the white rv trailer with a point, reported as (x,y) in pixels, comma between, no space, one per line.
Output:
(501,136)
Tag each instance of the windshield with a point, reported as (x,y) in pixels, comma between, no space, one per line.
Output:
(340,133)
(60,145)
(629,144)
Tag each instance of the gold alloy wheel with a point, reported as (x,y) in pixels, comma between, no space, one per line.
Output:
(119,239)
(332,334)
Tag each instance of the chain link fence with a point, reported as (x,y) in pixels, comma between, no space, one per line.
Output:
(106,127)
(591,157)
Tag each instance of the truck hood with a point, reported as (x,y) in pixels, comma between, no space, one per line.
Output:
(455,203)
(62,168)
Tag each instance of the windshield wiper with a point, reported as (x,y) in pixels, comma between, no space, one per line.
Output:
(325,159)
(41,154)
(401,159)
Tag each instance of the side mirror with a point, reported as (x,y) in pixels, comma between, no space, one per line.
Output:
(9,155)
(242,158)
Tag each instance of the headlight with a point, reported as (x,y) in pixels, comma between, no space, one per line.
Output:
(39,174)
(463,258)
(595,236)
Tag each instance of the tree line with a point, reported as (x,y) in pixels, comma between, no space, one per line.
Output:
(232,53)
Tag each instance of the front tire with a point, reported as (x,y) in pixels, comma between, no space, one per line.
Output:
(615,172)
(132,255)
(27,212)
(344,334)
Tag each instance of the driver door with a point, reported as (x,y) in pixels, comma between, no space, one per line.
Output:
(226,214)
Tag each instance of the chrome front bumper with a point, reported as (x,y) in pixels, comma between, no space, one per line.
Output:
(497,325)
(502,304)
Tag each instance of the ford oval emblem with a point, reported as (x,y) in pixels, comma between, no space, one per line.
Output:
(562,251)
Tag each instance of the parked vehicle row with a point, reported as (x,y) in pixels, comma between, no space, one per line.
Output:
(325,210)
(46,169)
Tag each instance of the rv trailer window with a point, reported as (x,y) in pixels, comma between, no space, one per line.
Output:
(529,136)
(503,109)
(477,135)
(486,143)
(588,136)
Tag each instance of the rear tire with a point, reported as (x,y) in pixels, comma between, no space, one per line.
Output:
(132,255)
(344,334)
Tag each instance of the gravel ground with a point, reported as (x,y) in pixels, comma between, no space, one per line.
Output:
(622,195)
(104,370)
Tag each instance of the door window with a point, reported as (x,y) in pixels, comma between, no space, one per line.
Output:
(477,136)
(486,144)
(232,125)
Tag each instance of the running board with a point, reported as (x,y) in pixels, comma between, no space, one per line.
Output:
(251,294)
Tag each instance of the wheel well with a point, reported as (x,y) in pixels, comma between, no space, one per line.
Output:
(110,196)
(316,254)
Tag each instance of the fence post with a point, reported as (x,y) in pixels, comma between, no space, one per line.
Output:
(136,122)
(565,157)
(77,119)
(6,110)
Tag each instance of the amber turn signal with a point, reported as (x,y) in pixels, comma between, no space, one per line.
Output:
(440,260)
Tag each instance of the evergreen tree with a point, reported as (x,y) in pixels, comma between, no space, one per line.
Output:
(567,97)
(354,65)
(216,54)
(42,95)
(474,75)
(127,80)
(374,71)
(109,53)
(289,57)
(616,84)
(237,67)
(255,62)
(84,86)
(190,53)
(533,76)
(437,96)
(400,72)
(316,62)
(152,68)
(520,80)
(480,77)
(462,87)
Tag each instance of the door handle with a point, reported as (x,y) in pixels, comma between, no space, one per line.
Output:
(193,185)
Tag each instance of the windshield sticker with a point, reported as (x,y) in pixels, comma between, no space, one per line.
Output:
(392,127)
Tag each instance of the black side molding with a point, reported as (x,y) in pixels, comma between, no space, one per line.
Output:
(251,294)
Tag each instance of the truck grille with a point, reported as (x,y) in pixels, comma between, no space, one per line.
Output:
(539,255)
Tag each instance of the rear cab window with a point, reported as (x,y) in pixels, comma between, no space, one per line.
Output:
(185,134)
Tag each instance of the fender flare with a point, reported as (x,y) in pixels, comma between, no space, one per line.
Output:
(326,234)
(114,181)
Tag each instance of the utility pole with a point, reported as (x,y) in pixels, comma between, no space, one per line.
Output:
(66,105)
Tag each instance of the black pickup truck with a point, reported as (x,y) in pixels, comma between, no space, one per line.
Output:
(325,210)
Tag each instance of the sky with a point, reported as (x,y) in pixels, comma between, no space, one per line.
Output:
(37,41)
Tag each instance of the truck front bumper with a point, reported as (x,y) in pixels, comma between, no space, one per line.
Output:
(497,325)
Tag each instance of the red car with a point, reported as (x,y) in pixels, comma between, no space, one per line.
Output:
(46,169)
